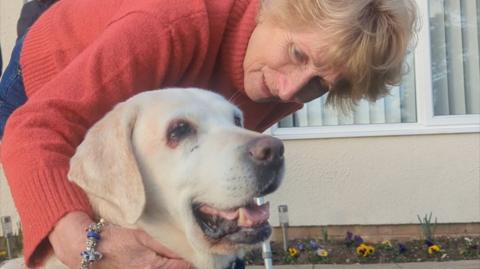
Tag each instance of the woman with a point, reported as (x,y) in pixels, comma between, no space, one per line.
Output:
(83,57)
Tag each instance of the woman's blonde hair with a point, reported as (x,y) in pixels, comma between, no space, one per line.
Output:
(369,40)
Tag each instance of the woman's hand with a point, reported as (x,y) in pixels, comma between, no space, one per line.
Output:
(121,247)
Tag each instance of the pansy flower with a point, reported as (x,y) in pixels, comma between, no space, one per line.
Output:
(402,248)
(300,245)
(322,252)
(349,239)
(358,240)
(293,252)
(365,250)
(387,244)
(429,243)
(313,244)
(433,249)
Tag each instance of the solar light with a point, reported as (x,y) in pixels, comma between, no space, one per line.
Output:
(7,232)
(283,219)
(266,249)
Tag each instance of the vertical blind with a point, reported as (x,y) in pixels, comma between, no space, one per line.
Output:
(398,107)
(454,37)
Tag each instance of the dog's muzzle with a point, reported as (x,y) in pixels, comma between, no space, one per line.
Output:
(247,223)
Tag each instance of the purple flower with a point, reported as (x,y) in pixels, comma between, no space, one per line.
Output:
(300,245)
(313,244)
(349,239)
(349,236)
(358,240)
(429,243)
(402,248)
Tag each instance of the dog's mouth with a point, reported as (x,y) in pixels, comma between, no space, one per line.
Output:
(241,225)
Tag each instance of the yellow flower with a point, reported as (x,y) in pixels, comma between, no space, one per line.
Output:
(361,249)
(365,250)
(387,243)
(3,253)
(293,252)
(433,248)
(322,252)
(370,250)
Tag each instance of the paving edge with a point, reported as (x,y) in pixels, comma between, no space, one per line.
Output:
(468,264)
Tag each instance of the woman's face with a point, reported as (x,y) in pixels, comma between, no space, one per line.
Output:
(286,66)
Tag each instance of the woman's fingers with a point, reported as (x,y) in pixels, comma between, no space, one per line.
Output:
(154,245)
(167,263)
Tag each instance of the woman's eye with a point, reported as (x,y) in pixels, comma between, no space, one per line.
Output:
(298,55)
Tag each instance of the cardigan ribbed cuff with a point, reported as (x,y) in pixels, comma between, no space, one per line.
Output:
(43,197)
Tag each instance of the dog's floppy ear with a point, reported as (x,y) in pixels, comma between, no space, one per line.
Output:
(105,166)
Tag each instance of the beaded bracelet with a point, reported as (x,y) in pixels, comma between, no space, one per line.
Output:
(90,254)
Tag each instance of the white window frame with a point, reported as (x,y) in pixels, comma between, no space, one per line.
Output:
(426,123)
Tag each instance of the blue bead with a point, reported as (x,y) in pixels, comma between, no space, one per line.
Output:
(92,234)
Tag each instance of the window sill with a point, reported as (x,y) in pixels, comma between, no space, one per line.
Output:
(370,130)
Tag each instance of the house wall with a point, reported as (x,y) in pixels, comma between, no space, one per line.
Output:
(342,181)
(381,180)
(9,13)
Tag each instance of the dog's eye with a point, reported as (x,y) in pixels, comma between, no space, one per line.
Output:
(178,130)
(237,120)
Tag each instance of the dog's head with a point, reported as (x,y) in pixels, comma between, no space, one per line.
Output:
(181,157)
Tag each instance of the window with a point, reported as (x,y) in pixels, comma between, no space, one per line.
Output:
(439,94)
(398,107)
(454,38)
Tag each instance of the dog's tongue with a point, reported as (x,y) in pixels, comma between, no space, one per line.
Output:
(253,215)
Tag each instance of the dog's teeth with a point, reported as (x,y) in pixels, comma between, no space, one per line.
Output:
(251,216)
(243,220)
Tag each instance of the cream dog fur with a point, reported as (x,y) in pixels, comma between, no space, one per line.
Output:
(177,164)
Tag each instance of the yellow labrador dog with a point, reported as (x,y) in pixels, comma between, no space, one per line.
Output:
(178,164)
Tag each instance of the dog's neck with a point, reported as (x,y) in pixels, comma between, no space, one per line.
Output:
(236,264)
(173,238)
(168,234)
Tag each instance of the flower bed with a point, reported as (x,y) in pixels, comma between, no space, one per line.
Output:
(353,250)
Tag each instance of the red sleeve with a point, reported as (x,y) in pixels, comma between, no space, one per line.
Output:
(130,56)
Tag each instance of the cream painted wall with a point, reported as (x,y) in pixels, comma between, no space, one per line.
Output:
(377,180)
(9,13)
(381,180)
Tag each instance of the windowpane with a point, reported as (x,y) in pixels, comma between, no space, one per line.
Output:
(398,107)
(454,37)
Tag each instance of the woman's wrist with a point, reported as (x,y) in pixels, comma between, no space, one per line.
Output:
(90,254)
(68,237)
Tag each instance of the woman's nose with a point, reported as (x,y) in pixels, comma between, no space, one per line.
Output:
(292,85)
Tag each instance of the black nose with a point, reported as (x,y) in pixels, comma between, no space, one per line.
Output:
(266,150)
(265,155)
